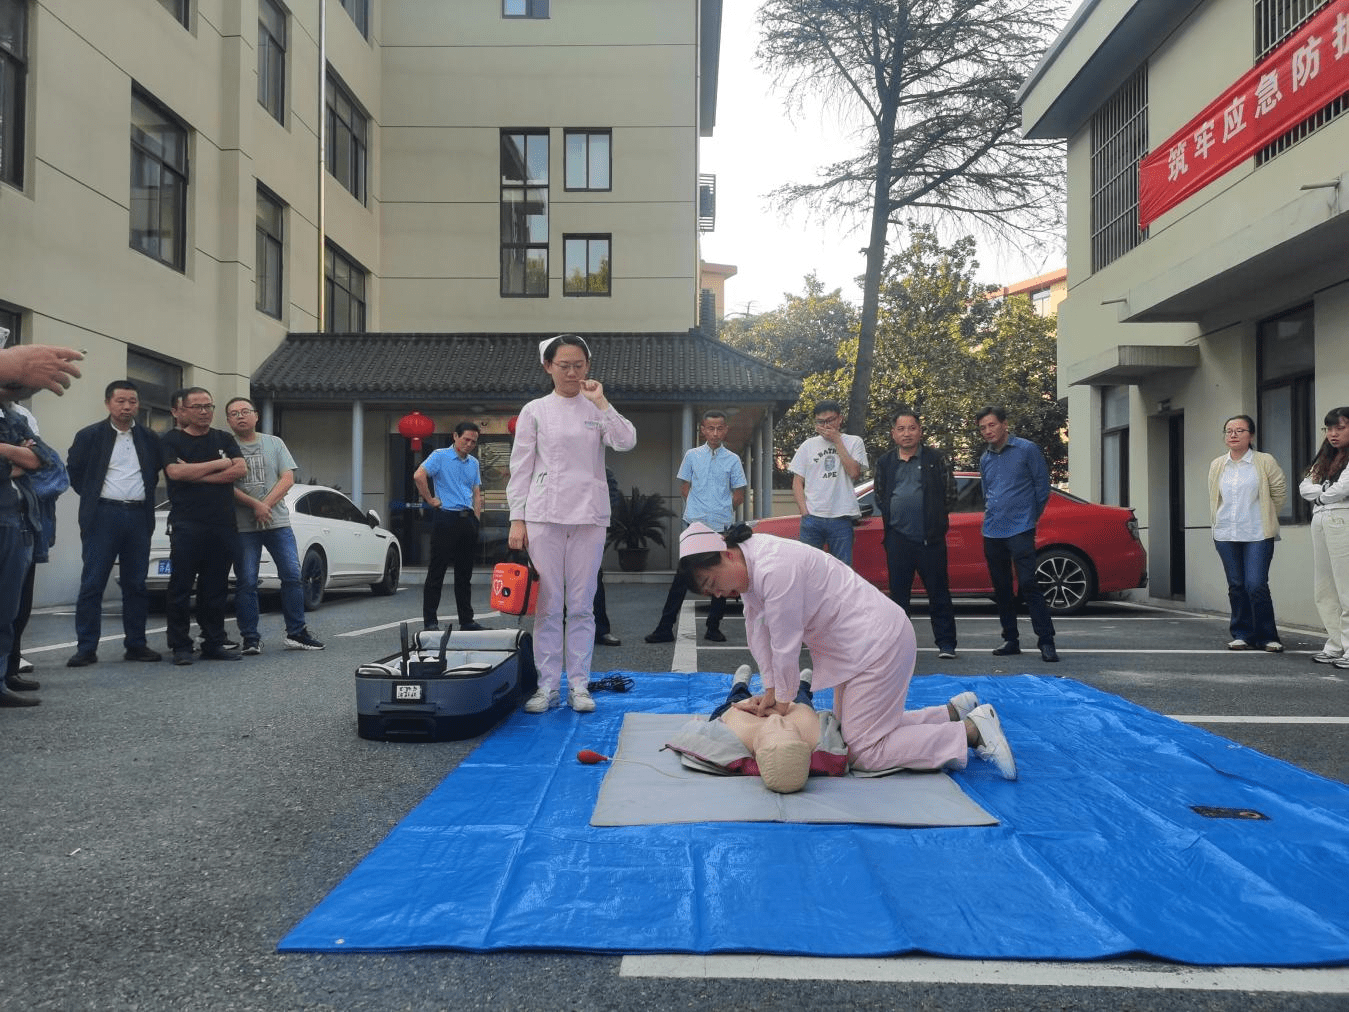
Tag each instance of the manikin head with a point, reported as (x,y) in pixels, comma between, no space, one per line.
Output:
(782,754)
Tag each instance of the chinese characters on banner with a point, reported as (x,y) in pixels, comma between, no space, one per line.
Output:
(1306,73)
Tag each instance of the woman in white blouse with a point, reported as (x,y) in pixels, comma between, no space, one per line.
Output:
(1326,487)
(1246,490)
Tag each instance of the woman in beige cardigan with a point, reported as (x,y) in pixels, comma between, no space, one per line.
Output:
(1246,490)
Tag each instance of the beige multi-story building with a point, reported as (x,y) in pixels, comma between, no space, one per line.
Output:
(1208,163)
(281,198)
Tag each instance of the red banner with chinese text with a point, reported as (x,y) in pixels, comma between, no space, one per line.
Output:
(1305,74)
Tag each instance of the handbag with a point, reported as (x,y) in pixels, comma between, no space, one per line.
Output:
(515,586)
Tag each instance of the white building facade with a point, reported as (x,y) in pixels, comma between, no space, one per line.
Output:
(185,183)
(1226,289)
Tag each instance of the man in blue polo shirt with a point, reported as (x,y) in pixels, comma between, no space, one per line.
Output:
(713,482)
(1016,491)
(454,538)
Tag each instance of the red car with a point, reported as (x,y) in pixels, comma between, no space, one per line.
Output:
(1085,549)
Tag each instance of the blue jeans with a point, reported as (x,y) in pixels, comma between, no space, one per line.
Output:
(118,534)
(836,532)
(1017,552)
(280,545)
(1246,564)
(902,557)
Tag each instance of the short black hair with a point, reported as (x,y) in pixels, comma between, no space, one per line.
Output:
(120,385)
(997,410)
(714,413)
(904,411)
(463,427)
(824,407)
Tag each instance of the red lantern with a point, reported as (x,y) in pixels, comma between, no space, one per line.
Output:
(510,426)
(416,427)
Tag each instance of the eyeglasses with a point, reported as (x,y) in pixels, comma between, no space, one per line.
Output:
(1234,432)
(1335,428)
(198,407)
(239,412)
(829,421)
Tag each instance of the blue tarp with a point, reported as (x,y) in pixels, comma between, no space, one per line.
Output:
(1098,853)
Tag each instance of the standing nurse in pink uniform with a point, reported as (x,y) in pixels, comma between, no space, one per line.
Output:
(559,505)
(860,641)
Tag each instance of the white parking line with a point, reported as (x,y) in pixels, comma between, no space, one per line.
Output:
(47,648)
(686,639)
(414,622)
(1204,718)
(924,970)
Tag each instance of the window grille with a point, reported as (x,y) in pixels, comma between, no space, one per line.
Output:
(1119,141)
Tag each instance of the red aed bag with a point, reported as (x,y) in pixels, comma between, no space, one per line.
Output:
(515,588)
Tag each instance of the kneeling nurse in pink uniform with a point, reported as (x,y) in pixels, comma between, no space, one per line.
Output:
(860,641)
(559,502)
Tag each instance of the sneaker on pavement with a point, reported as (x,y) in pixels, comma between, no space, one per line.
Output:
(947,653)
(714,636)
(1008,649)
(580,700)
(182,657)
(1324,657)
(963,703)
(1238,645)
(992,745)
(1273,647)
(82,659)
(1342,661)
(142,654)
(252,648)
(543,699)
(302,640)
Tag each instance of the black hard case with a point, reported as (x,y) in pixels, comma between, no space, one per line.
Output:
(444,686)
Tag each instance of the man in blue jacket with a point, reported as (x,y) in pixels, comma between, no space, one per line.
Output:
(114,468)
(1016,491)
(914,492)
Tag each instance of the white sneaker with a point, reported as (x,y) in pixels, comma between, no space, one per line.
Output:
(807,674)
(742,675)
(580,700)
(1342,661)
(993,745)
(1238,645)
(1324,657)
(25,665)
(1273,647)
(963,704)
(544,699)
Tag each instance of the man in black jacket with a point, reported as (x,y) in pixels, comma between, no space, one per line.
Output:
(114,468)
(914,492)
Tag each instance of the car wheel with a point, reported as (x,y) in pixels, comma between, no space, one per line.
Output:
(313,578)
(392,569)
(1065,580)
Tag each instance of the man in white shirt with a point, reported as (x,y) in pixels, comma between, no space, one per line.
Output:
(114,468)
(824,470)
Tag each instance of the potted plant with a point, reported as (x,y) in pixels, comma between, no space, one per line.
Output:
(637,518)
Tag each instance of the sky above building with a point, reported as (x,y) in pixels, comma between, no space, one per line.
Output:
(756,147)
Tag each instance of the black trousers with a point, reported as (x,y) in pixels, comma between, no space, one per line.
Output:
(454,542)
(200,555)
(1002,555)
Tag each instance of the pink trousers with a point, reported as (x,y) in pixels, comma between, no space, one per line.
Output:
(882,735)
(567,557)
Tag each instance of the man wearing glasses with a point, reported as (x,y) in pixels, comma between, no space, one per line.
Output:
(264,522)
(823,472)
(201,464)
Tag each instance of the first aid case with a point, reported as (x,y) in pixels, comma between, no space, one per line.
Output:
(444,685)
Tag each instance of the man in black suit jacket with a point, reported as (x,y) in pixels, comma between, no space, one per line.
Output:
(114,468)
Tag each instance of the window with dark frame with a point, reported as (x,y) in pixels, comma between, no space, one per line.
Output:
(1119,140)
(178,8)
(158,182)
(343,293)
(156,379)
(1275,20)
(360,14)
(1287,426)
(524,8)
(524,213)
(585,265)
(272,59)
(13,88)
(587,160)
(267,266)
(1115,446)
(347,139)
(11,318)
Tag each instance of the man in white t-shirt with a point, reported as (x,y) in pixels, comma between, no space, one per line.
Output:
(823,473)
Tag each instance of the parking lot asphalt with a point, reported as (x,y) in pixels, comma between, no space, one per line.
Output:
(165,827)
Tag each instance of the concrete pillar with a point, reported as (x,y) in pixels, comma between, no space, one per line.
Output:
(357,452)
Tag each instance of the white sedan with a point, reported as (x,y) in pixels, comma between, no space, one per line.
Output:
(338,546)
